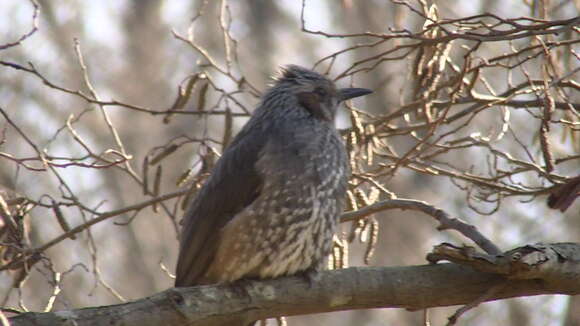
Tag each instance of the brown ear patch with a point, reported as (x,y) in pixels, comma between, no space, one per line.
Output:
(311,102)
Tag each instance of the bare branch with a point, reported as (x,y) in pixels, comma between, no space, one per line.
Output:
(33,29)
(446,221)
(413,287)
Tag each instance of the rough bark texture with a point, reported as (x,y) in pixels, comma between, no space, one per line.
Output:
(412,287)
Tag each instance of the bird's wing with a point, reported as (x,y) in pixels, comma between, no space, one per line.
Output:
(233,185)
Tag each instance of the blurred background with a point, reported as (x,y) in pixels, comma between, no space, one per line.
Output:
(207,63)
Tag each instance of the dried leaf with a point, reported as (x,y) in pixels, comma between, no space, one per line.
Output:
(157,186)
(145,172)
(228,126)
(373,227)
(201,99)
(183,95)
(61,220)
(166,152)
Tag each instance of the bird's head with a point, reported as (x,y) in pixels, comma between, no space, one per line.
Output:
(314,92)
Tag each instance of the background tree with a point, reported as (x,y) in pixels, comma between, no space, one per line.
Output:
(114,112)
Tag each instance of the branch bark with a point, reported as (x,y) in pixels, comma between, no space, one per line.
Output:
(411,287)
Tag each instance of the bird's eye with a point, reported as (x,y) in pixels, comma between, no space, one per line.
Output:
(321,91)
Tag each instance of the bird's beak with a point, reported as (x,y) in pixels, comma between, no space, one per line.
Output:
(348,93)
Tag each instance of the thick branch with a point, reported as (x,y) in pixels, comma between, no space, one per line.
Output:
(551,262)
(413,287)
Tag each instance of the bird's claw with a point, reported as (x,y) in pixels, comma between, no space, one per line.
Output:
(312,276)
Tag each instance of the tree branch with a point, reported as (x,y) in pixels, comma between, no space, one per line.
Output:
(446,221)
(411,287)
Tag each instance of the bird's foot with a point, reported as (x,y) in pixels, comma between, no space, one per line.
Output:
(240,287)
(312,276)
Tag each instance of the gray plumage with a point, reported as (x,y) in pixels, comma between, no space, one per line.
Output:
(271,205)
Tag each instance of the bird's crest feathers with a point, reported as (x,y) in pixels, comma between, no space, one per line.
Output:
(297,74)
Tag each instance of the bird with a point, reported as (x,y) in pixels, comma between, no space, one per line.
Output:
(271,205)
